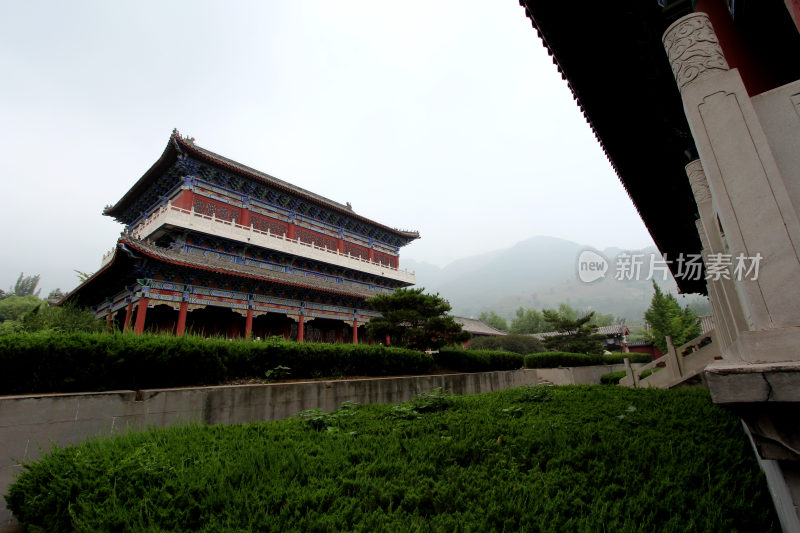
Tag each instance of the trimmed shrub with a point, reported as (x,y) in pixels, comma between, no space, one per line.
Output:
(477,361)
(50,362)
(650,372)
(612,378)
(619,358)
(521,344)
(46,361)
(556,359)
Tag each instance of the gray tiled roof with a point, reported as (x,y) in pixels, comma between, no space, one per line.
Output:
(616,329)
(476,327)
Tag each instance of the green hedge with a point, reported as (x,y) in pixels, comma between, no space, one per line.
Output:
(521,344)
(612,378)
(527,459)
(47,362)
(557,359)
(81,362)
(619,358)
(477,360)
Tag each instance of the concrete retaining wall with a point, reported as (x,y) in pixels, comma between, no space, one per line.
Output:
(579,375)
(31,423)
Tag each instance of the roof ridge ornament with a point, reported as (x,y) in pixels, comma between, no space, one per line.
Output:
(693,50)
(184,138)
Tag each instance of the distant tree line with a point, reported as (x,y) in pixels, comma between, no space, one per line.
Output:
(529,321)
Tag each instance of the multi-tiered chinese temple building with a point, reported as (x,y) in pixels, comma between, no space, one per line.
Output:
(217,248)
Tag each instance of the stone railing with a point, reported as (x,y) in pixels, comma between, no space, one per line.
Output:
(190,219)
(678,365)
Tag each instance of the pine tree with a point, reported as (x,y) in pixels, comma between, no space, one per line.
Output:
(414,320)
(576,336)
(665,317)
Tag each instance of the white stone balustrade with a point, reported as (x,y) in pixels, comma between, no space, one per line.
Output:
(189,219)
(680,364)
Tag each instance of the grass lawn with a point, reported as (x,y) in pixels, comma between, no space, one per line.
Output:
(583,458)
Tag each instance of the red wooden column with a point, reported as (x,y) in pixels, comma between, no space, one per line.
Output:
(244,219)
(371,255)
(355,332)
(388,340)
(248,324)
(141,312)
(290,232)
(300,329)
(182,319)
(128,314)
(757,79)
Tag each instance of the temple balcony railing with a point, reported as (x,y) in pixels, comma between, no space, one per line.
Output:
(678,365)
(171,215)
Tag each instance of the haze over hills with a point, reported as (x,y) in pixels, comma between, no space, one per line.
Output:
(537,273)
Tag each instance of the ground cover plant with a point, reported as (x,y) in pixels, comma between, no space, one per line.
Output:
(585,458)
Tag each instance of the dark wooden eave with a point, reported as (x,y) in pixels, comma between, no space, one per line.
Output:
(611,55)
(130,251)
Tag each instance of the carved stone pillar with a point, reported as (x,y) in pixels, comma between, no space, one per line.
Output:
(753,212)
(729,318)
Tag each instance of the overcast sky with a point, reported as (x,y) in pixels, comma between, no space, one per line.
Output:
(446,117)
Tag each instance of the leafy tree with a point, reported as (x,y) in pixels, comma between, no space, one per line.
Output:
(13,307)
(82,276)
(576,336)
(666,317)
(528,321)
(55,296)
(494,320)
(414,320)
(62,319)
(521,344)
(26,285)
(600,319)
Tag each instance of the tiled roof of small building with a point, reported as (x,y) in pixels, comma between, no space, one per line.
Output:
(477,327)
(616,329)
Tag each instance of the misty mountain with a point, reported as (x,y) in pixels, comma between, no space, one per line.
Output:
(537,273)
